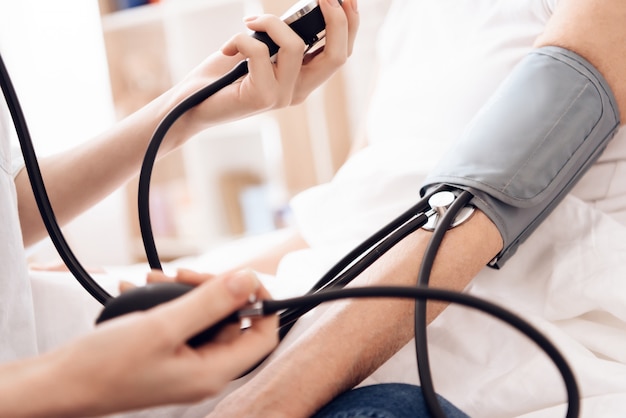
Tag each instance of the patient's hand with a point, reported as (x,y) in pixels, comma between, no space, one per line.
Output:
(182,276)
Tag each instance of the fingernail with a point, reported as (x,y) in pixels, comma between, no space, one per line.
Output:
(158,275)
(335,3)
(239,283)
(125,285)
(250,18)
(182,272)
(355,5)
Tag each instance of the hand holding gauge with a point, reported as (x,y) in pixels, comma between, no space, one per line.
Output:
(306,19)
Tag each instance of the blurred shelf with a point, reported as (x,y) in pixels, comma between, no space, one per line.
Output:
(217,181)
(155,12)
(132,17)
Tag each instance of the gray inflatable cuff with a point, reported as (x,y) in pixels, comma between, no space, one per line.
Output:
(547,123)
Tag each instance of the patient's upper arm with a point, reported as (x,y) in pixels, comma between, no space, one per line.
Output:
(596,30)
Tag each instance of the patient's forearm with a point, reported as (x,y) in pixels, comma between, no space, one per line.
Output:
(353,338)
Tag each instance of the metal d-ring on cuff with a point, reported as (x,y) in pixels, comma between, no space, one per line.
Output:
(439,203)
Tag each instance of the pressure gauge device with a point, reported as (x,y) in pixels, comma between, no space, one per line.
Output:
(306,19)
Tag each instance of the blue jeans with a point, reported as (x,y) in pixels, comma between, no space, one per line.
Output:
(389,400)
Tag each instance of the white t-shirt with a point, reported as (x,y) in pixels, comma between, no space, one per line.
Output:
(17,321)
(439,63)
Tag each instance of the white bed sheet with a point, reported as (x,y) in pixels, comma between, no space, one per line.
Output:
(572,288)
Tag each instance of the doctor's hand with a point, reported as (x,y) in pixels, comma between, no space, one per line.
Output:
(142,359)
(268,85)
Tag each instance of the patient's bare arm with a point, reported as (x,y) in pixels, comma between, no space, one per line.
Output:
(595,30)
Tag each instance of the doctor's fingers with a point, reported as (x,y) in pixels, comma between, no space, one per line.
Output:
(271,84)
(234,351)
(207,304)
(288,58)
(342,24)
(244,349)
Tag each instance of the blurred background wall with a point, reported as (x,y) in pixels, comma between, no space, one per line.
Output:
(79,65)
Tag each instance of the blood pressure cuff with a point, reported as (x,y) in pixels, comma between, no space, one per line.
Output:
(525,149)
